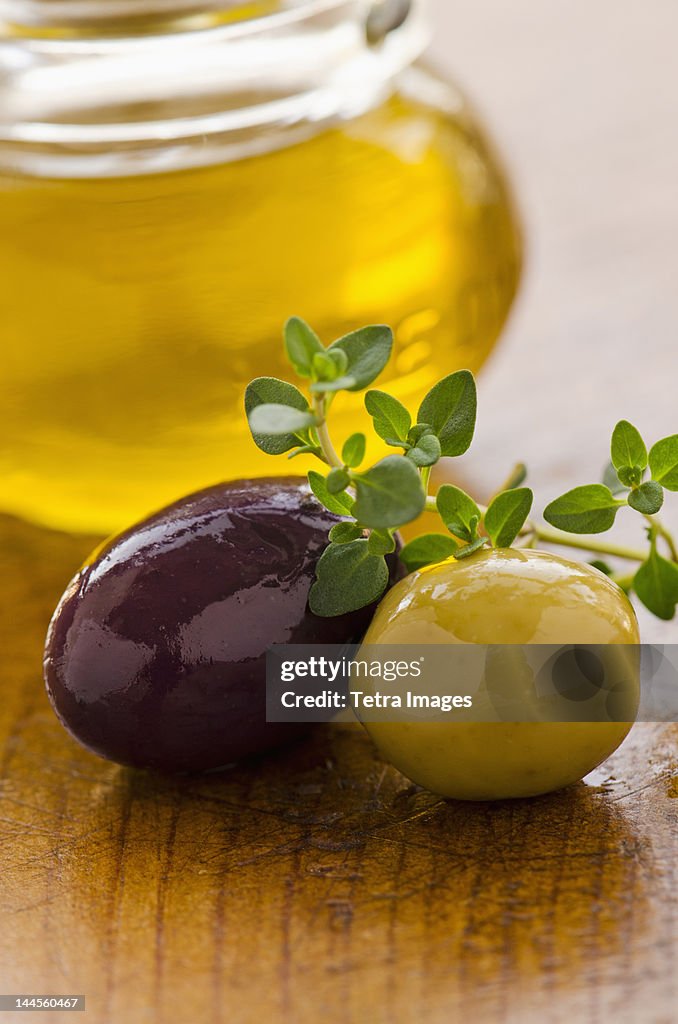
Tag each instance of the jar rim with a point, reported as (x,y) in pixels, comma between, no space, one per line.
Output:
(124,17)
(47,10)
(104,106)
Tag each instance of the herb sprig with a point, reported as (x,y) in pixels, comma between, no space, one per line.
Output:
(376,500)
(635,478)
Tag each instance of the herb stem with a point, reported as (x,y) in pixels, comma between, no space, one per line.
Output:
(661,531)
(324,439)
(568,540)
(425,477)
(515,478)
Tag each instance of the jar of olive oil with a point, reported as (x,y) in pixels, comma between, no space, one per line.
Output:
(177,177)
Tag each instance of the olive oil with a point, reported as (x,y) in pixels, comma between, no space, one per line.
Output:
(135,310)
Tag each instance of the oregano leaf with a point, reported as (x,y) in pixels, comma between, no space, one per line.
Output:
(602,566)
(270,390)
(656,584)
(381,542)
(341,504)
(450,409)
(275,420)
(611,480)
(305,449)
(390,418)
(340,360)
(337,480)
(418,431)
(389,494)
(301,344)
(324,367)
(588,509)
(348,577)
(663,461)
(367,352)
(470,549)
(353,451)
(426,550)
(517,476)
(648,498)
(342,533)
(458,511)
(627,448)
(426,452)
(629,476)
(506,515)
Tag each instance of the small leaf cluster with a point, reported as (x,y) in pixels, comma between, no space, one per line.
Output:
(280,416)
(636,478)
(470,527)
(373,501)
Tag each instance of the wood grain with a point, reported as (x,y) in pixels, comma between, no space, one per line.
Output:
(316,883)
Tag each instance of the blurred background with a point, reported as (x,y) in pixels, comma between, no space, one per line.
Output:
(581,99)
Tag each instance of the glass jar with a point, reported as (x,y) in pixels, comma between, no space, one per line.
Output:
(174,185)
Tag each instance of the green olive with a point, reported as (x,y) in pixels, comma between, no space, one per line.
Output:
(501,597)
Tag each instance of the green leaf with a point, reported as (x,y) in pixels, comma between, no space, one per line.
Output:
(301,344)
(271,419)
(367,352)
(337,480)
(329,366)
(450,409)
(324,367)
(340,360)
(611,480)
(348,577)
(270,390)
(306,449)
(353,451)
(426,452)
(381,542)
(627,448)
(470,549)
(391,420)
(629,476)
(458,511)
(342,533)
(506,515)
(664,462)
(419,430)
(389,494)
(426,550)
(648,498)
(517,476)
(341,504)
(588,509)
(601,566)
(656,584)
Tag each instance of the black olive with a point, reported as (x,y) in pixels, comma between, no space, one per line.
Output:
(155,656)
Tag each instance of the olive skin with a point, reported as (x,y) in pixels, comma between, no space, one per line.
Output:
(503,597)
(155,656)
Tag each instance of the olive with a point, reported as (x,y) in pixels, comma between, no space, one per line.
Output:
(509,597)
(155,656)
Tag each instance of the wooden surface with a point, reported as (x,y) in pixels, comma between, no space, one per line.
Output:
(316,885)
